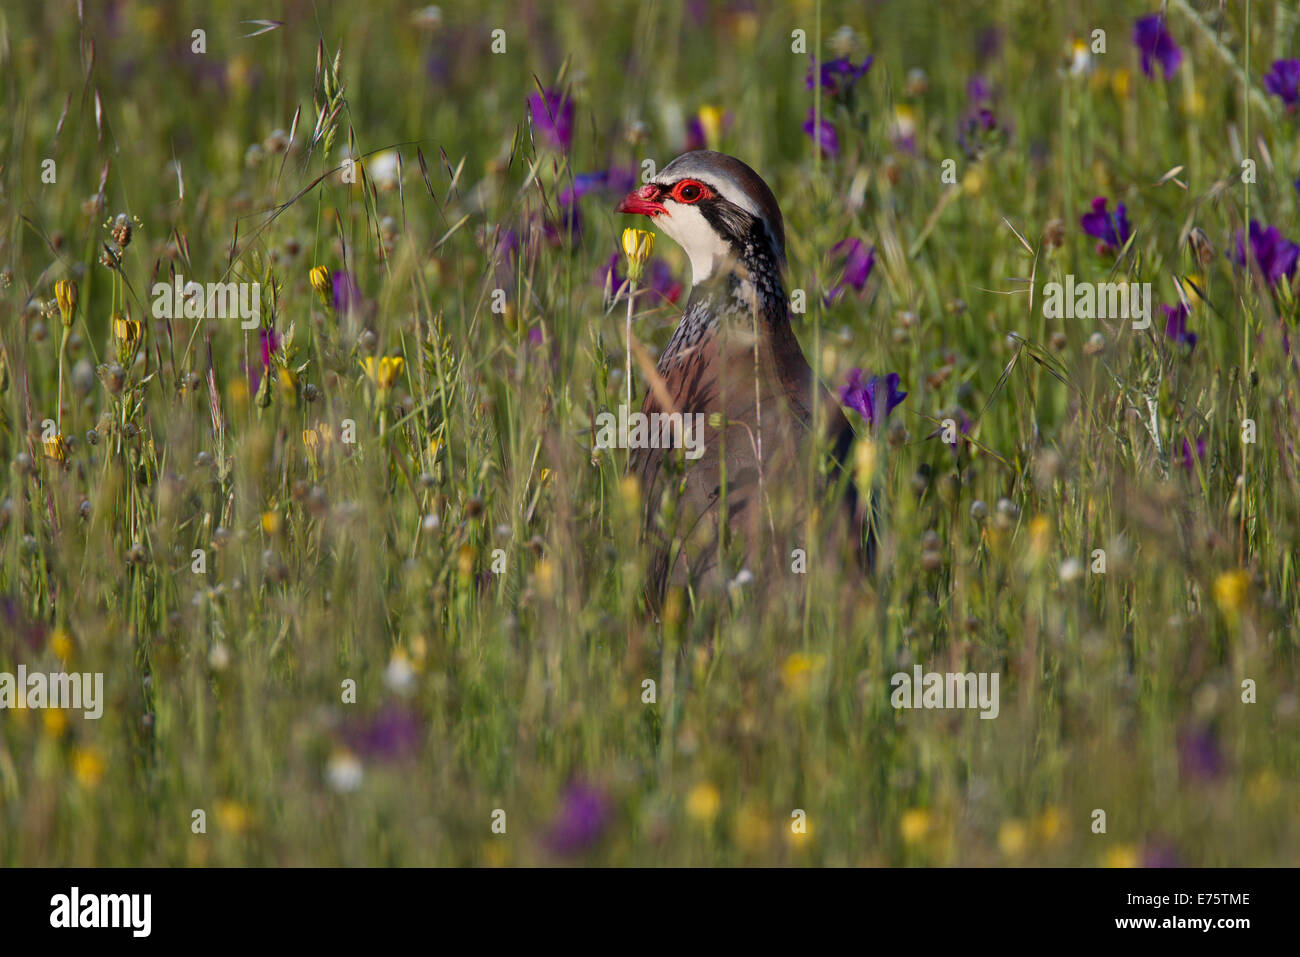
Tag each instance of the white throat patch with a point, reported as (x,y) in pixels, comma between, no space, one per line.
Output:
(687,227)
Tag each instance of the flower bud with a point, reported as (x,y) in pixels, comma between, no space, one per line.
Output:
(65,292)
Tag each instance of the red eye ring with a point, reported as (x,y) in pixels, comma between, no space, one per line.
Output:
(690,191)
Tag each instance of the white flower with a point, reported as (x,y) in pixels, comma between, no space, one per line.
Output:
(382,170)
(218,657)
(429,17)
(399,675)
(1080,59)
(1071,569)
(743,578)
(344,772)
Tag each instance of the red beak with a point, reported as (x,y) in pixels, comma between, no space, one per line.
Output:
(643,201)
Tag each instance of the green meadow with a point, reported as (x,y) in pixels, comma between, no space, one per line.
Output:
(360,587)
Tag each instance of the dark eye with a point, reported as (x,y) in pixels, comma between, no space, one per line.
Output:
(688,192)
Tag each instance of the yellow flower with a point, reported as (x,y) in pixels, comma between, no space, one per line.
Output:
(88,766)
(239,73)
(703,802)
(866,459)
(56,448)
(126,330)
(232,816)
(465,560)
(1263,788)
(1048,825)
(638,245)
(1120,82)
(797,671)
(127,333)
(320,281)
(383,372)
(311,438)
(546,578)
(270,522)
(1191,286)
(419,651)
(801,836)
(1230,590)
(65,292)
(55,721)
(710,118)
(904,121)
(1040,535)
(629,493)
(914,825)
(287,379)
(61,644)
(1013,837)
(1122,855)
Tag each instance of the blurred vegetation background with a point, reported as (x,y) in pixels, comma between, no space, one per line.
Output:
(514,681)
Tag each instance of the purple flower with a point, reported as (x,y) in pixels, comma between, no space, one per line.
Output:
(875,397)
(858,262)
(347,294)
(580,821)
(838,77)
(552,113)
(663,282)
(392,734)
(567,227)
(988,44)
(607,276)
(977,131)
(1154,42)
(270,344)
(822,133)
(660,280)
(1199,756)
(1284,81)
(507,245)
(697,136)
(1176,325)
(1112,229)
(617,180)
(963,423)
(977,89)
(1187,461)
(1275,256)
(17,625)
(1160,853)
